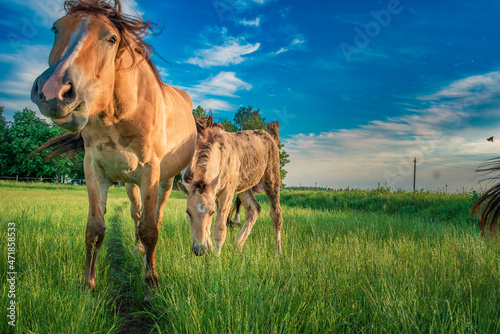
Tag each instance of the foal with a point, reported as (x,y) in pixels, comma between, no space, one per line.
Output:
(224,164)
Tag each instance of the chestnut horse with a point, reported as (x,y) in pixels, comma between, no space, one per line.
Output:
(226,163)
(102,85)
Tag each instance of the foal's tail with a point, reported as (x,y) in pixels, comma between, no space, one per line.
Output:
(69,143)
(274,130)
(487,206)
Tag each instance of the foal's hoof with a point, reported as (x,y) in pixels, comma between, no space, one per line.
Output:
(234,224)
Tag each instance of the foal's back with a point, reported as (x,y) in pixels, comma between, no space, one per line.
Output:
(249,154)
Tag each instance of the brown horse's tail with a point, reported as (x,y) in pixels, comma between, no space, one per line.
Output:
(274,130)
(487,206)
(69,143)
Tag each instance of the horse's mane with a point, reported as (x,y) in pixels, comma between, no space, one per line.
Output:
(203,149)
(132,30)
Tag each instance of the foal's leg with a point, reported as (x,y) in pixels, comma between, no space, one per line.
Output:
(237,204)
(236,208)
(219,227)
(252,210)
(164,191)
(271,183)
(134,194)
(97,188)
(148,226)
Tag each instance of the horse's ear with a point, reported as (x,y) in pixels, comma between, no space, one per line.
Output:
(199,126)
(210,122)
(184,187)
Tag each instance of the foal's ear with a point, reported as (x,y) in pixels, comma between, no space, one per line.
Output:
(210,122)
(184,187)
(215,183)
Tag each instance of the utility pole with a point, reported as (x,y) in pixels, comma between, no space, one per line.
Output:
(414,172)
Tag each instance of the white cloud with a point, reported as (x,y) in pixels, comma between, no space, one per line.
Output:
(296,44)
(130,7)
(255,23)
(230,53)
(26,65)
(224,84)
(448,138)
(281,51)
(215,104)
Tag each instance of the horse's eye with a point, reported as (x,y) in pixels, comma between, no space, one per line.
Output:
(112,40)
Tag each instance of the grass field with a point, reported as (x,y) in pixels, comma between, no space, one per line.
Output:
(354,262)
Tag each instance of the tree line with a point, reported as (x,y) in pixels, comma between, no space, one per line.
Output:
(27,132)
(23,135)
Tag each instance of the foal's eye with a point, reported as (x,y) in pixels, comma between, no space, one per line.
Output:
(112,40)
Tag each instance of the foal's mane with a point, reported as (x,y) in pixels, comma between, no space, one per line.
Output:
(132,30)
(204,147)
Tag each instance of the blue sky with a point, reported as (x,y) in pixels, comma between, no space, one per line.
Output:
(359,88)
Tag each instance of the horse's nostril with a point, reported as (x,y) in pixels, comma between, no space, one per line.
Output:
(70,93)
(40,95)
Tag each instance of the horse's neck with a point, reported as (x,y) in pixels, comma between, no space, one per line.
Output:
(136,90)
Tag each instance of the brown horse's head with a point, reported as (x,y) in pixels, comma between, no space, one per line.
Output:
(200,209)
(91,42)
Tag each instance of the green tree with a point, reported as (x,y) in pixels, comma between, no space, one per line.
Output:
(4,145)
(199,112)
(283,161)
(246,118)
(27,132)
(76,171)
(228,125)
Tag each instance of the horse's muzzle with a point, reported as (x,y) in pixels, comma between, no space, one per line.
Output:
(198,250)
(59,101)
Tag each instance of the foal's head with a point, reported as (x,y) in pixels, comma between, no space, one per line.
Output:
(200,209)
(91,42)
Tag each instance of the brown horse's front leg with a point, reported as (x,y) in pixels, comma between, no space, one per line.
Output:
(148,226)
(97,188)
(134,194)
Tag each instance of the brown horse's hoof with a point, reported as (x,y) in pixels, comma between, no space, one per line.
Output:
(150,294)
(88,286)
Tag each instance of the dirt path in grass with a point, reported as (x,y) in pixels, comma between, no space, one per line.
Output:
(129,308)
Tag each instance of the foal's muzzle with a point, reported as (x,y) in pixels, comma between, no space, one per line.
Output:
(199,250)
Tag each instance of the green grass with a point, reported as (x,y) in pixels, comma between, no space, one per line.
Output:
(354,262)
